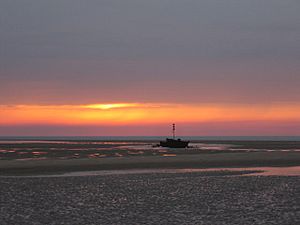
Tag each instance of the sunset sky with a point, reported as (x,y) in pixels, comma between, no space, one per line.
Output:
(133,67)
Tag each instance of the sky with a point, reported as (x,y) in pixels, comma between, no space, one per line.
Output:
(133,67)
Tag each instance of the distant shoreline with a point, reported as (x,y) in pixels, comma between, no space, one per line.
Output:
(152,138)
(230,160)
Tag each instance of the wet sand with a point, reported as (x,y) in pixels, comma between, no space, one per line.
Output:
(245,159)
(208,198)
(222,197)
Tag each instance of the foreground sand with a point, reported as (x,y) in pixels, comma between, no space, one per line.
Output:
(208,198)
(54,166)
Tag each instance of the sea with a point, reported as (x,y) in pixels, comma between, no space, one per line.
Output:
(154,138)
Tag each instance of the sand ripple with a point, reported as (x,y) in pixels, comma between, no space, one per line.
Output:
(195,198)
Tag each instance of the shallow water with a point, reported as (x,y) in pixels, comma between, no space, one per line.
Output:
(261,171)
(252,171)
(68,149)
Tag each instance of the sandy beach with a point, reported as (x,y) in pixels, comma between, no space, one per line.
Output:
(158,186)
(213,198)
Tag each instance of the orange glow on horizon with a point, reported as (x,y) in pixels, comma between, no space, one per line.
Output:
(139,113)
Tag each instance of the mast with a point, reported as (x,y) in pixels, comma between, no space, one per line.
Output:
(173,130)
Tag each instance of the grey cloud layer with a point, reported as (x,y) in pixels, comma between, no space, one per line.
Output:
(44,39)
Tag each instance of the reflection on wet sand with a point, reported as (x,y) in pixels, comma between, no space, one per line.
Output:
(253,171)
(261,171)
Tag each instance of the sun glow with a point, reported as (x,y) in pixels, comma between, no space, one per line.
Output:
(138,113)
(111,106)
